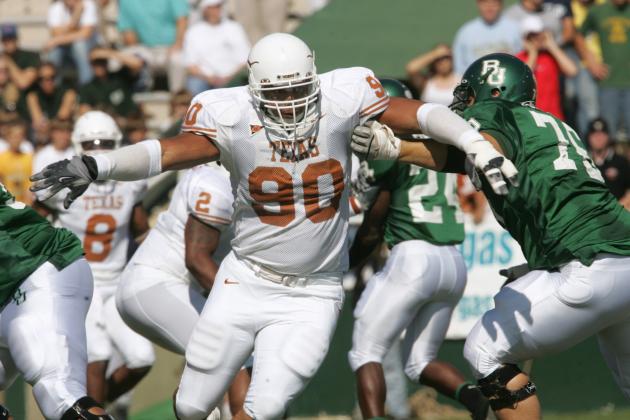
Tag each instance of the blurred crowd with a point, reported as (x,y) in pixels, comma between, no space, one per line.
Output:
(578,49)
(180,46)
(579,52)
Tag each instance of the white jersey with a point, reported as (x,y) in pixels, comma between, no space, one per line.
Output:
(291,215)
(101,219)
(204,193)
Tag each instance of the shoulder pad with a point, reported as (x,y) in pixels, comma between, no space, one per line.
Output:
(344,89)
(225,106)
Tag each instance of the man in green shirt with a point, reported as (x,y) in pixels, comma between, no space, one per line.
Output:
(571,229)
(111,90)
(416,212)
(611,22)
(22,64)
(45,292)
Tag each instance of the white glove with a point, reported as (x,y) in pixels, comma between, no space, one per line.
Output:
(375,141)
(482,156)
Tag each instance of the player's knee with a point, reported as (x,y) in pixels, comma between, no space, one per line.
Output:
(304,351)
(481,358)
(188,410)
(364,353)
(142,357)
(414,368)
(494,388)
(266,406)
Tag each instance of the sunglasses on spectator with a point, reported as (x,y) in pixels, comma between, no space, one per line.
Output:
(46,78)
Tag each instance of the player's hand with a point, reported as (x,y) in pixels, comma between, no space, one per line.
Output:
(75,174)
(482,156)
(375,141)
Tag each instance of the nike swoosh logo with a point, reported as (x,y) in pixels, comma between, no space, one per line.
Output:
(63,179)
(228,281)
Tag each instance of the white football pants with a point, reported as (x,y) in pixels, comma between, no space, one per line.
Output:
(158,305)
(416,290)
(288,328)
(42,336)
(546,312)
(107,332)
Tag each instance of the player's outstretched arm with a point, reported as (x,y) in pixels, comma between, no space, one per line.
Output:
(376,141)
(130,163)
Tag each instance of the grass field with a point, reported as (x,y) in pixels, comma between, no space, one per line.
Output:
(163,411)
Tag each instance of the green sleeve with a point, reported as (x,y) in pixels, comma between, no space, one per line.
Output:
(494,117)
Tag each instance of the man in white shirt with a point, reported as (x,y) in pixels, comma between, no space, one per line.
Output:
(72,26)
(215,49)
(59,148)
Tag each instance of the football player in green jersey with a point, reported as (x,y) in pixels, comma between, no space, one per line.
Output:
(573,233)
(417,213)
(45,292)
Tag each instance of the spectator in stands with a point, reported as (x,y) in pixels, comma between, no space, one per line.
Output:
(9,92)
(490,32)
(111,90)
(261,17)
(15,164)
(581,93)
(215,49)
(21,64)
(548,62)
(179,106)
(48,100)
(556,15)
(610,22)
(441,80)
(72,26)
(135,129)
(614,168)
(60,147)
(7,119)
(160,27)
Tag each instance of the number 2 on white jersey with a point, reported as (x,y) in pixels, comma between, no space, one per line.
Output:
(564,162)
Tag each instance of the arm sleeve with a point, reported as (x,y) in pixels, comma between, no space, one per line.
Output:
(53,19)
(180,8)
(373,97)
(124,22)
(210,200)
(89,17)
(199,120)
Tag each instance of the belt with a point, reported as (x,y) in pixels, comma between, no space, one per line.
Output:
(290,280)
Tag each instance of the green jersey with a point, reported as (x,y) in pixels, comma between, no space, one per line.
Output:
(562,210)
(27,241)
(423,204)
(612,24)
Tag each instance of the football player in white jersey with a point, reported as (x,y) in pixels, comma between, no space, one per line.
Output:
(285,139)
(106,219)
(164,287)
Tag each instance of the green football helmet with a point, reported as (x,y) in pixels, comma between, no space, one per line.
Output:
(395,87)
(493,76)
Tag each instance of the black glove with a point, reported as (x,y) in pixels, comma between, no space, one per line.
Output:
(75,174)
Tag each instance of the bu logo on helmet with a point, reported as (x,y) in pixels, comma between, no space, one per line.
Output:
(496,74)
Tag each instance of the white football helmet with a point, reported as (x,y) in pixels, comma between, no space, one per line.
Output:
(284,85)
(95,131)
